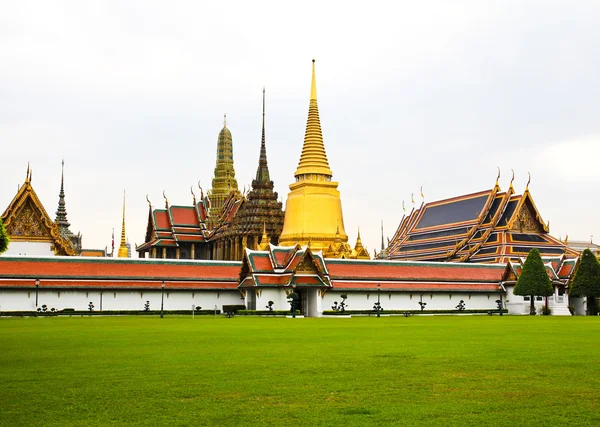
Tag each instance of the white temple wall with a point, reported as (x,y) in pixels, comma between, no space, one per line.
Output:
(277,295)
(410,301)
(24,300)
(29,248)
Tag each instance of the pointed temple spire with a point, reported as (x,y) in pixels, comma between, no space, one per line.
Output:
(223,181)
(262,214)
(262,173)
(313,159)
(382,243)
(61,212)
(123,251)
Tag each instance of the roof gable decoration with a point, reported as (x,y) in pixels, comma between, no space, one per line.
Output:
(25,219)
(309,265)
(527,217)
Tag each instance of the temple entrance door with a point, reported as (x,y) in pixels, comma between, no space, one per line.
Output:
(301,300)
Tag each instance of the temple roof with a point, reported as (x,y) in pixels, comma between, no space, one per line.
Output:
(174,224)
(79,272)
(25,219)
(313,159)
(487,226)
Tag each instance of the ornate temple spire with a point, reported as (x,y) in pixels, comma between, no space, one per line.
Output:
(224,181)
(61,212)
(359,244)
(224,177)
(382,242)
(123,251)
(313,159)
(262,173)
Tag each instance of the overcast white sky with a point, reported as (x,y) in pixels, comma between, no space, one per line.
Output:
(434,93)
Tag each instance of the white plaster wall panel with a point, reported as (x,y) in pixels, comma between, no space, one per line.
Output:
(29,249)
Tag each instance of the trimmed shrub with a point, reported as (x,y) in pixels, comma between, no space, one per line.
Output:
(534,280)
(586,282)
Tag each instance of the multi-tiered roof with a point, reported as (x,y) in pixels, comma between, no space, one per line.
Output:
(488,226)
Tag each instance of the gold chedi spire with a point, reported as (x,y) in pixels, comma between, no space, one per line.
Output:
(313,159)
(123,251)
(313,209)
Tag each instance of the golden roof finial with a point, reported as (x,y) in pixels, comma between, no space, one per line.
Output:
(224,120)
(201,191)
(422,196)
(412,198)
(566,239)
(498,177)
(528,182)
(193,195)
(513,178)
(403,208)
(123,252)
(264,241)
(166,201)
(27,175)
(313,159)
(148,200)
(313,84)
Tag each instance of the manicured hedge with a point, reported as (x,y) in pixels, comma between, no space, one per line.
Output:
(264,312)
(372,312)
(72,312)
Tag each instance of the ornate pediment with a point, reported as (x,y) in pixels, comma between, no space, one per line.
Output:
(526,220)
(28,223)
(307,265)
(26,219)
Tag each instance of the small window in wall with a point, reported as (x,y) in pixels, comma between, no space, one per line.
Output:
(193,293)
(539,298)
(488,296)
(115,295)
(526,298)
(58,294)
(218,295)
(367,296)
(430,296)
(141,295)
(28,294)
(168,293)
(389,296)
(469,296)
(86,295)
(449,296)
(410,296)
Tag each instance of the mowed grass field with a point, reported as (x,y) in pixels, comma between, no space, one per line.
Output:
(442,370)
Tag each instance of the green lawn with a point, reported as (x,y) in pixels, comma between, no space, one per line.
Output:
(443,370)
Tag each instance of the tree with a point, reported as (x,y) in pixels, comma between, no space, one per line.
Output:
(586,282)
(534,280)
(4,240)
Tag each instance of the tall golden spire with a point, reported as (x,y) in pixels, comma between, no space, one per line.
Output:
(123,251)
(313,212)
(313,159)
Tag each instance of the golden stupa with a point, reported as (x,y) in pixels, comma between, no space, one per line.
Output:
(313,213)
(123,250)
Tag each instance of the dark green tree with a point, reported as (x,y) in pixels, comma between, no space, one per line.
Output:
(534,280)
(586,282)
(4,240)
